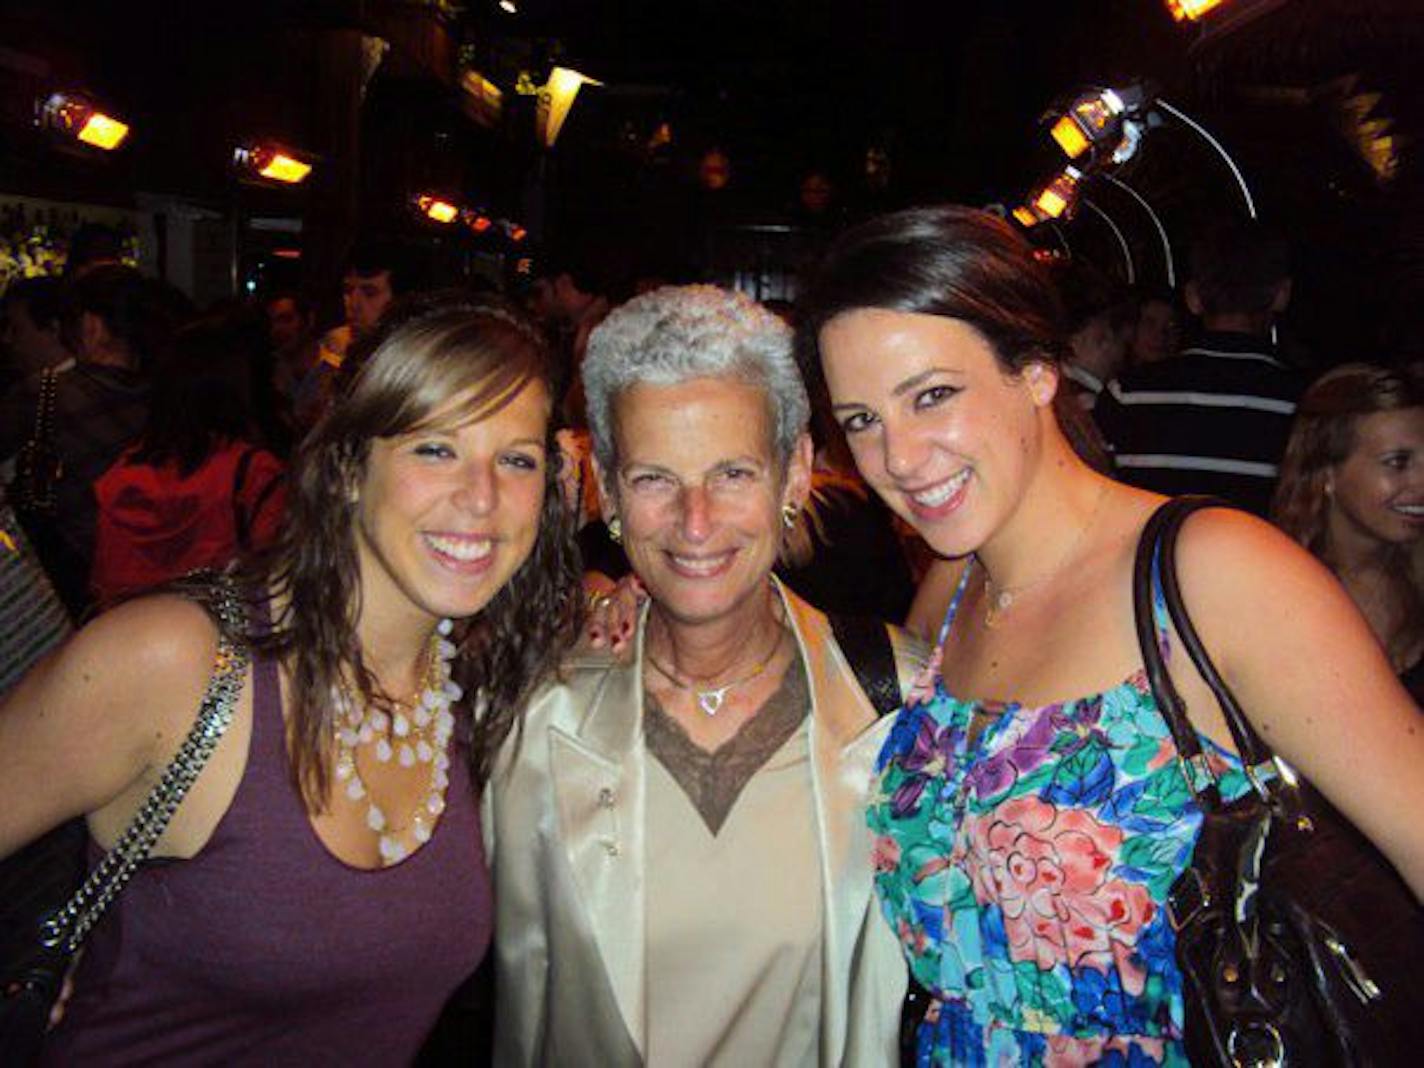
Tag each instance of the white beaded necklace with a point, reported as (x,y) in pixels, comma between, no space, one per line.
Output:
(421,737)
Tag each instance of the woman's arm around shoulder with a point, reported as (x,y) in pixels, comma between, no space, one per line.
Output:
(1310,675)
(90,720)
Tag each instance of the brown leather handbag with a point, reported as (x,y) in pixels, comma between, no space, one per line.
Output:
(1297,941)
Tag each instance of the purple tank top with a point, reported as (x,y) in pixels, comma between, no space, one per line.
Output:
(266,949)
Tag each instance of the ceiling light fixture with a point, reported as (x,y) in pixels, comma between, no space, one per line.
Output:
(272,162)
(1192,10)
(76,116)
(555,99)
(437,209)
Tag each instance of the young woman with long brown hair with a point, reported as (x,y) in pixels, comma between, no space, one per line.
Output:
(322,889)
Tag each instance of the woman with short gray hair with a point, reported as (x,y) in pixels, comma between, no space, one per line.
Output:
(683,872)
(677,333)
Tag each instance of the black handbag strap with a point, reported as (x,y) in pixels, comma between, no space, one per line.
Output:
(866,645)
(44,408)
(1158,546)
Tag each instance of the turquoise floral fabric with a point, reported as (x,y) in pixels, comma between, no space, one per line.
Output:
(1026,875)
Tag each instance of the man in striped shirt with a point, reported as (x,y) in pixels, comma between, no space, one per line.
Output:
(1215,418)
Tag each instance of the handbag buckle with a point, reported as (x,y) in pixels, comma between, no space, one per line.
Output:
(1181,910)
(1196,770)
(1256,1045)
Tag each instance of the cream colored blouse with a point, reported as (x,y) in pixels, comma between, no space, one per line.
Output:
(734,918)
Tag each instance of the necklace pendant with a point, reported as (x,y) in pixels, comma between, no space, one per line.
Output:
(710,701)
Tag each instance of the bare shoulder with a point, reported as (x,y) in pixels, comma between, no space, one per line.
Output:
(163,638)
(145,655)
(1225,553)
(87,723)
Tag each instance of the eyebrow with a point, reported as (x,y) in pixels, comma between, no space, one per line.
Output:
(913,382)
(721,465)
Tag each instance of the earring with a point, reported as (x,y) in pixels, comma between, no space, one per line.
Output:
(615,530)
(789,514)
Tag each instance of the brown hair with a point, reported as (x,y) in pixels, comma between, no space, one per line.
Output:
(958,263)
(424,353)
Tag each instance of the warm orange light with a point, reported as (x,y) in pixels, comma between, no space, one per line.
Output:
(268,161)
(1051,203)
(283,168)
(437,210)
(480,223)
(1055,198)
(555,99)
(518,234)
(1096,113)
(74,115)
(1026,217)
(1069,137)
(1191,10)
(104,132)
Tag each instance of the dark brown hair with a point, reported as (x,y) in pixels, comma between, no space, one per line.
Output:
(954,262)
(424,353)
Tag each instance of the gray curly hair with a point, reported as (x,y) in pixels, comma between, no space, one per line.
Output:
(677,333)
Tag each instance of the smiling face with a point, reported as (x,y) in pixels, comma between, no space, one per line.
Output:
(1378,490)
(448,512)
(935,425)
(699,491)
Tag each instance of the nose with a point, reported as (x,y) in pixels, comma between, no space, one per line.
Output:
(904,452)
(696,520)
(478,491)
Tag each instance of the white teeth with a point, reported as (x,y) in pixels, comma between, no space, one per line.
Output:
(465,549)
(699,565)
(944,491)
(1414,511)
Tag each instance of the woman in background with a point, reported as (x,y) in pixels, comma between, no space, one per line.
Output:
(1351,491)
(194,491)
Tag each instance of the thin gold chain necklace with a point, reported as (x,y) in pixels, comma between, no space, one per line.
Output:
(998,601)
(711,699)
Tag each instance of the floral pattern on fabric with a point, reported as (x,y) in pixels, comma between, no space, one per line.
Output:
(1026,875)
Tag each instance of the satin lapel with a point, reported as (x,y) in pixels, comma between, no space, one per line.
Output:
(598,786)
(846,737)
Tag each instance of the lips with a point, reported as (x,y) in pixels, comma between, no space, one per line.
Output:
(702,566)
(461,552)
(932,502)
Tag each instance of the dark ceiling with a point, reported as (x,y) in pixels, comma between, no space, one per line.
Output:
(1304,92)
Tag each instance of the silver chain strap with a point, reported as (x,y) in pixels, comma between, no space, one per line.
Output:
(68,927)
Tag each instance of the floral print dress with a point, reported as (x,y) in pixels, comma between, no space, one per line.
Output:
(1026,874)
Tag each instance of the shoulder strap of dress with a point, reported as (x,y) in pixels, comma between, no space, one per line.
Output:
(953,609)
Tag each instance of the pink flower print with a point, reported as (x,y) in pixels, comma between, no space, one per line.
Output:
(1048,870)
(923,688)
(886,854)
(913,938)
(1071,1051)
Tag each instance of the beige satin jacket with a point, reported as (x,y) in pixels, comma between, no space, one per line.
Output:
(564,826)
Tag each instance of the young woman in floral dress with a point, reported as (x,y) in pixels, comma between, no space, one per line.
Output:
(1027,836)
